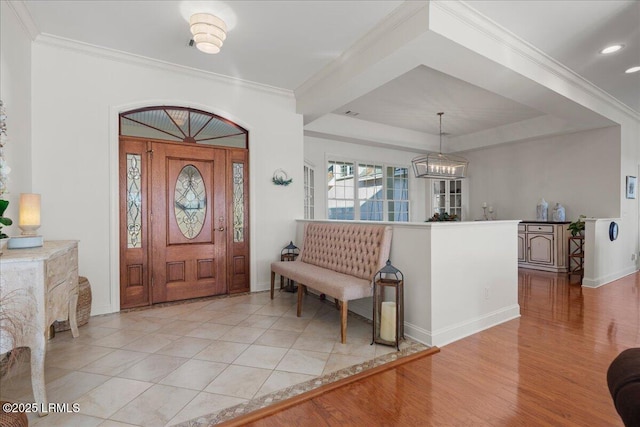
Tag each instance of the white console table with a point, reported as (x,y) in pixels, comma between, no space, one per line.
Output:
(37,287)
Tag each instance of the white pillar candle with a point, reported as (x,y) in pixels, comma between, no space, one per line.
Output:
(388,321)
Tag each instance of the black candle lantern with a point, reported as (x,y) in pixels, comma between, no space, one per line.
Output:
(388,307)
(289,253)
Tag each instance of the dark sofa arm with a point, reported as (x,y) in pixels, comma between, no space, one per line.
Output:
(623,379)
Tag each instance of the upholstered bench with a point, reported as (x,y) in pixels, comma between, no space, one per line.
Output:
(338,260)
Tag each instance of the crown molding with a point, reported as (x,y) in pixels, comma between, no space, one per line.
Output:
(360,141)
(20,9)
(379,36)
(470,17)
(130,58)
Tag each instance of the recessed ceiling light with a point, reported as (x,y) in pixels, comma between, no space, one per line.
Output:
(611,49)
(633,69)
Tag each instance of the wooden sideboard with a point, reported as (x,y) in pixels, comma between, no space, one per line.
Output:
(543,246)
(37,286)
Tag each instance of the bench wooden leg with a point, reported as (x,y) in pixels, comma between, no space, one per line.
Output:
(281,282)
(273,279)
(301,291)
(343,321)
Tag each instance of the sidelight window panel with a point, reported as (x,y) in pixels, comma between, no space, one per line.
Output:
(134,201)
(238,202)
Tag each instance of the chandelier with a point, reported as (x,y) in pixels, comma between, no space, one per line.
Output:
(208,31)
(440,166)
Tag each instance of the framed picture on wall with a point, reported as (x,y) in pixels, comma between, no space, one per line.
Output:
(632,182)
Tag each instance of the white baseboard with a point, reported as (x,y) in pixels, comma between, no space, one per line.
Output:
(265,286)
(464,329)
(417,333)
(363,307)
(590,282)
(102,309)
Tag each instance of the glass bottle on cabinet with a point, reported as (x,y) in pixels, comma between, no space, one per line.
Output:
(447,197)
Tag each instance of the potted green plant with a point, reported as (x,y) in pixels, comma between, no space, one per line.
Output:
(577,226)
(437,217)
(3,219)
(4,177)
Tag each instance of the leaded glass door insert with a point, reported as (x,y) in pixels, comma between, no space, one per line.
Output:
(238,202)
(190,201)
(180,124)
(134,201)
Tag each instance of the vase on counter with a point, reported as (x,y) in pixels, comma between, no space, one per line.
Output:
(558,213)
(542,210)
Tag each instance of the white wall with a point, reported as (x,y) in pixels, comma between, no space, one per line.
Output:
(605,260)
(318,150)
(459,277)
(15,92)
(584,171)
(580,170)
(77,94)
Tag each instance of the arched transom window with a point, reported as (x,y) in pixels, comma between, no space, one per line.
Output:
(181,124)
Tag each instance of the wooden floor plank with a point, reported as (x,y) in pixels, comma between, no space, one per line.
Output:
(547,368)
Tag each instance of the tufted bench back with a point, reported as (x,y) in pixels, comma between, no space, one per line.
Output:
(355,249)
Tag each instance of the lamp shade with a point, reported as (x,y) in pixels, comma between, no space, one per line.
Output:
(29,213)
(209,32)
(438,165)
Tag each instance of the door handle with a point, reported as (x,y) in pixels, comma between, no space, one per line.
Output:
(221,224)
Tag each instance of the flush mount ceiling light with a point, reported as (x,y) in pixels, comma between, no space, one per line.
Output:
(209,32)
(633,70)
(440,166)
(611,49)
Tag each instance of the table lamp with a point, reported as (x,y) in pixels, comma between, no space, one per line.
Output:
(29,222)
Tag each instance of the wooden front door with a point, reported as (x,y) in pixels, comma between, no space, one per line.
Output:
(188,222)
(183,221)
(184,206)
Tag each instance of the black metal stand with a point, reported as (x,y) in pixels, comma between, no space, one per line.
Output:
(291,285)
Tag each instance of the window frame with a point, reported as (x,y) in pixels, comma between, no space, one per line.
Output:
(309,179)
(384,191)
(447,196)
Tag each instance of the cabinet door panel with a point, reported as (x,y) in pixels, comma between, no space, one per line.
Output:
(540,248)
(521,247)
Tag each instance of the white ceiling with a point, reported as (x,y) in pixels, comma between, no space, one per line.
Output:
(284,44)
(409,102)
(573,32)
(276,43)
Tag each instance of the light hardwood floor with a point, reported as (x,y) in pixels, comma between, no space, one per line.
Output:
(547,368)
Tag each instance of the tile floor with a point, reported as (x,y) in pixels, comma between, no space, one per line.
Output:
(167,365)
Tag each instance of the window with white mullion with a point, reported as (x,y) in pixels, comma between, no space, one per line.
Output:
(309,192)
(341,190)
(447,197)
(367,192)
(370,192)
(397,205)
